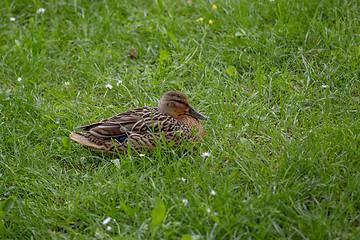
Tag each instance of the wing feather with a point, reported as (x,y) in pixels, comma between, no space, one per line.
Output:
(139,120)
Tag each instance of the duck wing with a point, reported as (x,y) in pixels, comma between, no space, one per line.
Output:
(138,120)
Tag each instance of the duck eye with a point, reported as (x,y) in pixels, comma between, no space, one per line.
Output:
(179,101)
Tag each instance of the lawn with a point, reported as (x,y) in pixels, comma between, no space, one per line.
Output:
(278,80)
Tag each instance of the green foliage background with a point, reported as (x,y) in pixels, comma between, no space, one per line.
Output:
(279,81)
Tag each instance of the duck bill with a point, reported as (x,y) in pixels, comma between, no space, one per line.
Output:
(195,114)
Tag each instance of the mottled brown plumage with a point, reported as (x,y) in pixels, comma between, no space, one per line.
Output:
(173,121)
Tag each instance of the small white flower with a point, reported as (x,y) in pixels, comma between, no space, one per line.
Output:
(272,0)
(208,210)
(108,228)
(67,83)
(119,83)
(109,86)
(205,154)
(213,192)
(215,213)
(67,202)
(185,202)
(12,19)
(19,79)
(324,86)
(142,155)
(41,10)
(106,221)
(182,179)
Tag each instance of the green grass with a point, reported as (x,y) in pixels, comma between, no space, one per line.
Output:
(279,82)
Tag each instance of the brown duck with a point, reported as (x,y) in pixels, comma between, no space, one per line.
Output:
(173,121)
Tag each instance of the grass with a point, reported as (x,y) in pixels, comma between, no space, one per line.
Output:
(279,82)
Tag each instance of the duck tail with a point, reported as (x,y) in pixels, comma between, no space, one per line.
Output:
(82,139)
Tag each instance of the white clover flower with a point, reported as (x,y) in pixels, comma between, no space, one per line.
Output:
(108,228)
(205,154)
(67,83)
(106,221)
(19,79)
(185,202)
(109,86)
(213,192)
(41,10)
(208,210)
(142,155)
(12,19)
(119,83)
(215,213)
(182,179)
(324,86)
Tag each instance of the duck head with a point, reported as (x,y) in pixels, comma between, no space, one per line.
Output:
(175,104)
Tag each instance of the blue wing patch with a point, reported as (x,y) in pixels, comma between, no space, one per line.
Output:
(120,139)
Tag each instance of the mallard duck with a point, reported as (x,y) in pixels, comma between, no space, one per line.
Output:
(173,120)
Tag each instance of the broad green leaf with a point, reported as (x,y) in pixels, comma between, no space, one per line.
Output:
(164,54)
(173,38)
(231,70)
(64,141)
(158,213)
(50,126)
(186,237)
(8,204)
